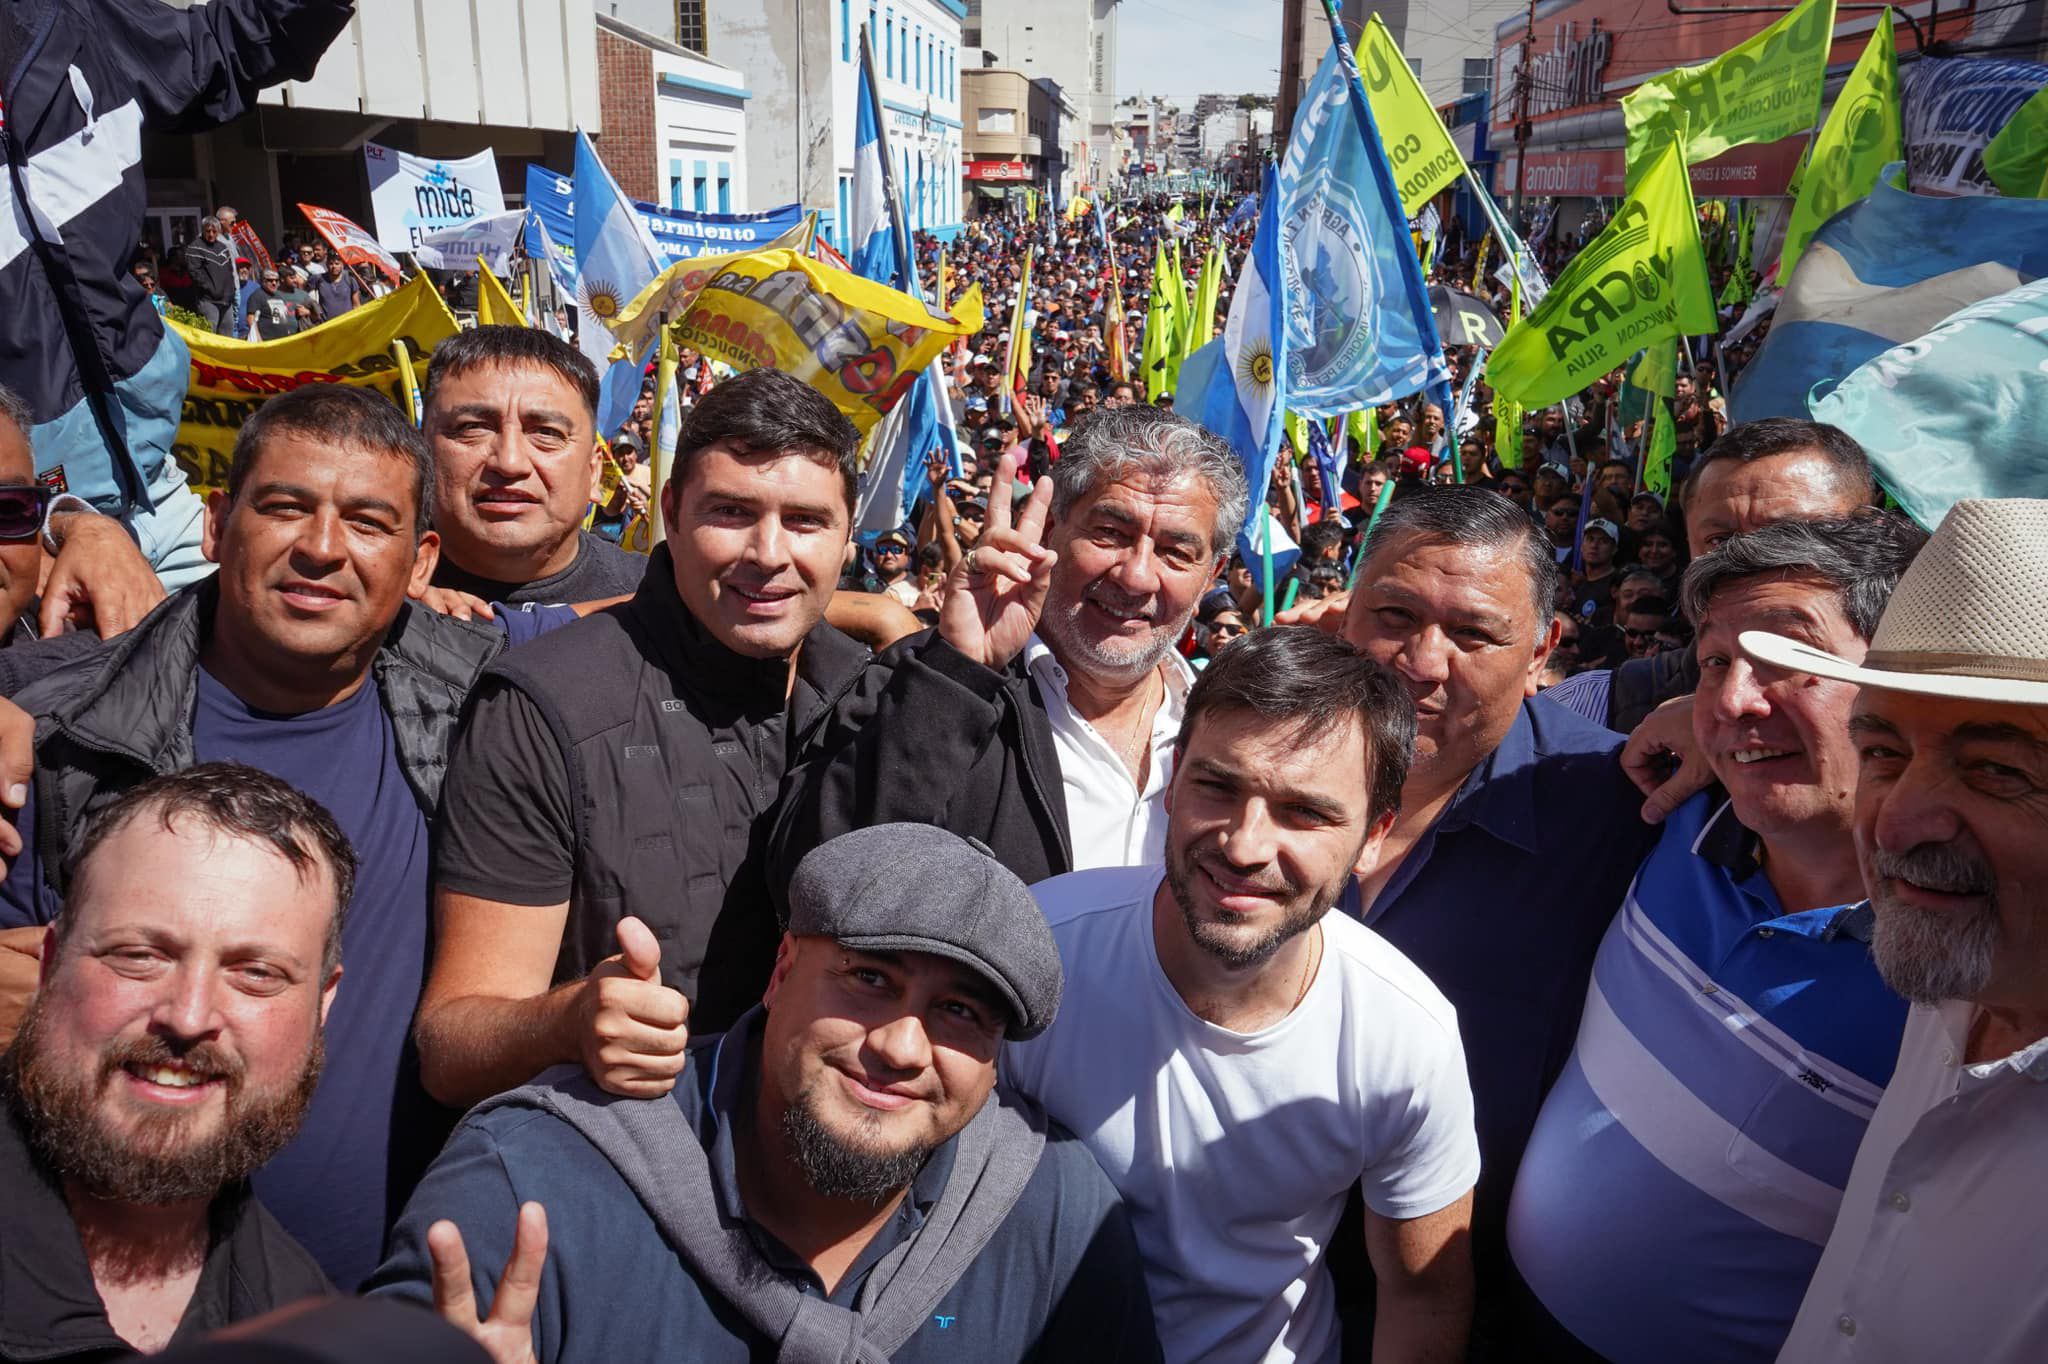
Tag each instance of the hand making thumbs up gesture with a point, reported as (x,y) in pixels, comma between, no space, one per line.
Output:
(632,1029)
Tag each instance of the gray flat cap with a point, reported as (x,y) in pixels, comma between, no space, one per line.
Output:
(918,888)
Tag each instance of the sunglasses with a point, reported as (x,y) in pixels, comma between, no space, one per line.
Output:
(891,549)
(22,508)
(1639,634)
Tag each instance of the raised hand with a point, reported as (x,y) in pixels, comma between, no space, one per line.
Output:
(632,1031)
(996,593)
(507,1333)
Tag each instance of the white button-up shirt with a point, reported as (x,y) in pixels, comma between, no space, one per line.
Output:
(1936,1253)
(1109,820)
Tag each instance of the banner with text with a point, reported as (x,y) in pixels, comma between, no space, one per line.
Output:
(350,242)
(859,343)
(411,196)
(230,379)
(679,235)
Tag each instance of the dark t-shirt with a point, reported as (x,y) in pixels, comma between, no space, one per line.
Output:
(337,290)
(371,1129)
(601,570)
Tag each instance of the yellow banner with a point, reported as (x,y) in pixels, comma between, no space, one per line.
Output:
(494,306)
(1424,159)
(230,379)
(859,343)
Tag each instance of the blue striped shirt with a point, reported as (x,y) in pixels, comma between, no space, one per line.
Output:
(1686,1167)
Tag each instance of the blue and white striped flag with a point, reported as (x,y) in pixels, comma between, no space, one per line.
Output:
(871,241)
(615,260)
(879,249)
(1242,375)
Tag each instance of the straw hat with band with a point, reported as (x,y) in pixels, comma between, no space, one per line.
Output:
(1969,619)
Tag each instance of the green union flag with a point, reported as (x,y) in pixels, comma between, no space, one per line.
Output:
(1642,280)
(1861,135)
(1663,444)
(1764,88)
(2017,159)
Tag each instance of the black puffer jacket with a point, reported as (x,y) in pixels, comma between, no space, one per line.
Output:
(123,713)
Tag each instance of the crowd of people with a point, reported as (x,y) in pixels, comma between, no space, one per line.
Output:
(1544,919)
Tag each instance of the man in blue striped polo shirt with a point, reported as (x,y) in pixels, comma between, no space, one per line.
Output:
(1686,1167)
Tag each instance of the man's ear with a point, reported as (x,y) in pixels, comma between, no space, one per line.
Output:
(785,958)
(327,992)
(426,558)
(1532,681)
(1375,839)
(214,525)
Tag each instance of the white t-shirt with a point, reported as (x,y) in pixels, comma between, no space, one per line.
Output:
(1234,1151)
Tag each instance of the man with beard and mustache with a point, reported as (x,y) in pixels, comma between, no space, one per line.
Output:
(173,1046)
(836,1177)
(1237,1057)
(1932,1255)
(1050,733)
(300,657)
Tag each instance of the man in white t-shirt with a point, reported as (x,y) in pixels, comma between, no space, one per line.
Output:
(1237,1057)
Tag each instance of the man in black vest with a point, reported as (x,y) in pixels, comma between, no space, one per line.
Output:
(600,848)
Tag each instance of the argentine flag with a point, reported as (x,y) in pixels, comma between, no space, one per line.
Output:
(878,241)
(1241,375)
(615,260)
(872,245)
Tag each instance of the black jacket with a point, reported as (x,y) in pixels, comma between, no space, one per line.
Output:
(674,748)
(50,1309)
(933,737)
(80,81)
(213,270)
(123,713)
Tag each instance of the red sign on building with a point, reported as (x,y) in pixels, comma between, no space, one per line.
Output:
(998,170)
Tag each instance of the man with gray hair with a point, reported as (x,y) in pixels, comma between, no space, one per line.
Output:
(1052,739)
(1734,1006)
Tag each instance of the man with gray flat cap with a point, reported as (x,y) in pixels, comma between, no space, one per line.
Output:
(1935,1251)
(835,1178)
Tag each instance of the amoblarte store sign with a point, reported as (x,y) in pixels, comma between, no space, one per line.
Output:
(1569,74)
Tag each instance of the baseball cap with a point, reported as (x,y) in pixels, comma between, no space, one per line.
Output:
(892,537)
(1551,466)
(918,888)
(1647,496)
(1602,524)
(1416,457)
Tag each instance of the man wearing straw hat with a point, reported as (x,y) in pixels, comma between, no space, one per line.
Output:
(1933,1252)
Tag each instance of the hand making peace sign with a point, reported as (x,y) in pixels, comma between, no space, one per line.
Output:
(997,591)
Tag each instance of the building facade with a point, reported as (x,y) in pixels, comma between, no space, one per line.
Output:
(917,47)
(442,80)
(1071,43)
(1011,134)
(675,122)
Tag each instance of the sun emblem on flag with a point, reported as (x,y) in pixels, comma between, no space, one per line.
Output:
(1255,365)
(601,297)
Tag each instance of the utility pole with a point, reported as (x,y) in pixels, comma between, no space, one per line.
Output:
(1524,78)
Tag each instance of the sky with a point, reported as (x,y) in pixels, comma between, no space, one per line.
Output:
(1179,49)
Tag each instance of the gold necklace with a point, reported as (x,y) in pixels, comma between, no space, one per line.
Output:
(1139,734)
(1308,973)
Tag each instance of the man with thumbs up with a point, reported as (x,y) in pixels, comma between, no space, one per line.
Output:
(630,1028)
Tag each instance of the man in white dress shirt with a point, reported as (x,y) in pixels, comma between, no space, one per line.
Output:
(1051,735)
(1935,1253)
(1236,1057)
